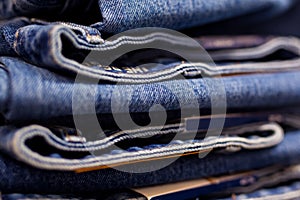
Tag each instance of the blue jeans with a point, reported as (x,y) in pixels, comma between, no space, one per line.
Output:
(39,43)
(75,155)
(50,95)
(229,184)
(117,16)
(21,178)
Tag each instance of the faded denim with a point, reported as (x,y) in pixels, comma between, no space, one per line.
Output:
(116,16)
(50,95)
(63,47)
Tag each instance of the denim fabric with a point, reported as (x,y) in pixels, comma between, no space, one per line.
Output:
(284,25)
(191,189)
(119,15)
(285,191)
(8,31)
(113,196)
(16,177)
(3,88)
(64,47)
(65,10)
(64,155)
(40,196)
(224,42)
(200,188)
(50,95)
(259,180)
(14,8)
(122,15)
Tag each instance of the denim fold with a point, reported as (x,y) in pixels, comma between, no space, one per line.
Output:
(116,16)
(71,156)
(75,49)
(50,95)
(21,178)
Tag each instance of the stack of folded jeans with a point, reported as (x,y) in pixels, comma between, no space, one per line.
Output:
(103,99)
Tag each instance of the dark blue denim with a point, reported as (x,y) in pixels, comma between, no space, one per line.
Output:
(284,191)
(41,196)
(36,94)
(117,16)
(14,8)
(64,47)
(284,25)
(123,15)
(55,10)
(191,189)
(259,181)
(7,35)
(16,177)
(67,154)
